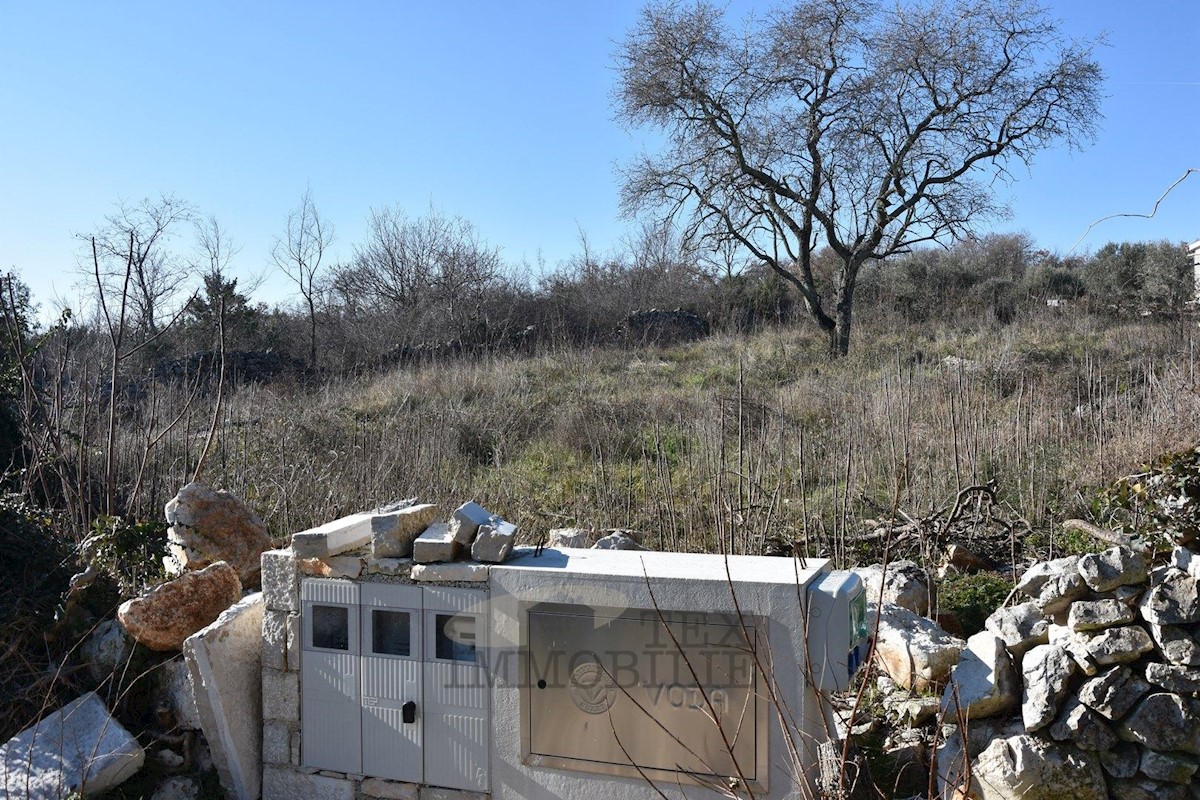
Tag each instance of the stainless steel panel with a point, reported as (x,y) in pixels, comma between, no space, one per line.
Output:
(672,696)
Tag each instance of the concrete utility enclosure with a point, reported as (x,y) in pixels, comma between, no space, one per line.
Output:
(564,673)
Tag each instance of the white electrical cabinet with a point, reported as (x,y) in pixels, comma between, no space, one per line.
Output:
(393,682)
(330,706)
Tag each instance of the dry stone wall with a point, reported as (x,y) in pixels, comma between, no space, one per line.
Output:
(1088,688)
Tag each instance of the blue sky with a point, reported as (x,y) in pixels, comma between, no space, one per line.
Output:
(499,112)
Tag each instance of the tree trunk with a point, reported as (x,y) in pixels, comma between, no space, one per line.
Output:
(312,333)
(839,336)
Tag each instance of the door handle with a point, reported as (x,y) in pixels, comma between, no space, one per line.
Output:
(408,712)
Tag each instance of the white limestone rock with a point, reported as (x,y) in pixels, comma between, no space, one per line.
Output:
(1174,678)
(1047,670)
(457,571)
(78,749)
(338,536)
(393,534)
(1020,627)
(617,540)
(1053,585)
(1076,646)
(1118,566)
(1178,645)
(1169,767)
(465,522)
(1163,721)
(494,542)
(581,538)
(1096,615)
(1186,560)
(1028,768)
(1083,727)
(914,651)
(1174,601)
(177,787)
(180,697)
(903,583)
(983,683)
(1114,692)
(1119,645)
(437,544)
(106,650)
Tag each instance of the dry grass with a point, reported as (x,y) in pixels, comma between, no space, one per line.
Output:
(731,443)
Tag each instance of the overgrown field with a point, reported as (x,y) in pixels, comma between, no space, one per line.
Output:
(744,443)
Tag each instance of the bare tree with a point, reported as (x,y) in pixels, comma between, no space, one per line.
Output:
(299,253)
(133,244)
(434,259)
(864,126)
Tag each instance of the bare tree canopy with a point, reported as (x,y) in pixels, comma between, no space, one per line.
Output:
(135,259)
(298,254)
(862,126)
(435,259)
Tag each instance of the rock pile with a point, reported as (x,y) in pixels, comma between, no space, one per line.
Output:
(1089,688)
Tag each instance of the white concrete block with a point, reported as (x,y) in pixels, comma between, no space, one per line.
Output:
(389,566)
(277,744)
(280,582)
(454,571)
(390,790)
(281,783)
(225,661)
(465,522)
(333,537)
(79,748)
(274,640)
(295,743)
(293,642)
(494,542)
(280,696)
(436,544)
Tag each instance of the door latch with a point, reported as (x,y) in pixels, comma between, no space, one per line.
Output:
(409,712)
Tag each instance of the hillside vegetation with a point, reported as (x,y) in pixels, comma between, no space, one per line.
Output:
(735,442)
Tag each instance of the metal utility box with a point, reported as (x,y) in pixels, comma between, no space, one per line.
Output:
(607,683)
(393,682)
